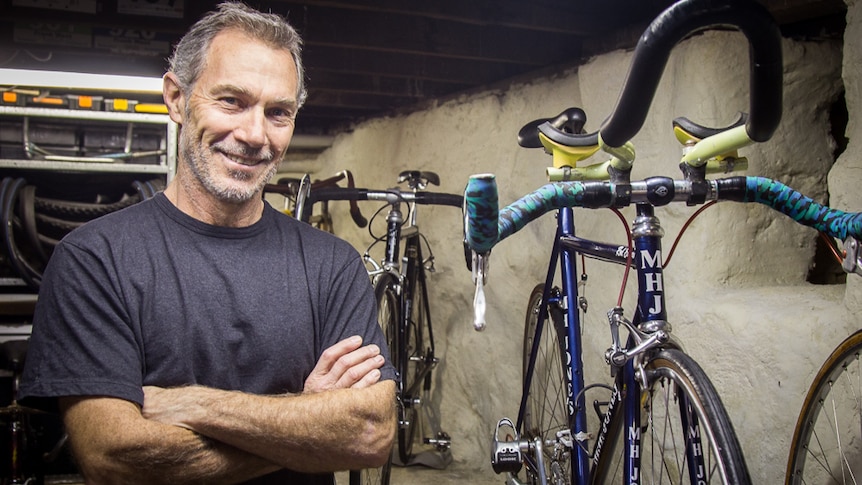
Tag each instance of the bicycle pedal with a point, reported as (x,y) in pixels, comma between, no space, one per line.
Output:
(441,443)
(506,454)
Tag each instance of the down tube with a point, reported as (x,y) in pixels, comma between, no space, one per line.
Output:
(568,273)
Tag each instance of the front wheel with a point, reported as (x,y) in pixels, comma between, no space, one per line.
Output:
(685,433)
(827,441)
(545,413)
(371,476)
(401,351)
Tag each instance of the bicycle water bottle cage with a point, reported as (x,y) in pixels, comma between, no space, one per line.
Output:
(418,180)
(713,148)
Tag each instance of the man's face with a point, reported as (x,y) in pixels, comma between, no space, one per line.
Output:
(239,117)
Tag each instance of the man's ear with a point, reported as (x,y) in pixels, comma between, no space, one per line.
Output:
(173,96)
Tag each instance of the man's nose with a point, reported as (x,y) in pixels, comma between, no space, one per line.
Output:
(252,129)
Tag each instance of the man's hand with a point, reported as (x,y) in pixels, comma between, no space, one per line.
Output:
(346,364)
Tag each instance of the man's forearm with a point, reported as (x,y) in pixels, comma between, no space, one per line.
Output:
(112,443)
(326,431)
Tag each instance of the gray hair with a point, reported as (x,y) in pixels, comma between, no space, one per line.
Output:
(189,57)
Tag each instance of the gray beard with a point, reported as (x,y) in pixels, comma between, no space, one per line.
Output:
(195,157)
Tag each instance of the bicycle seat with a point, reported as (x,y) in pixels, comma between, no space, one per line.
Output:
(12,355)
(570,121)
(418,179)
(687,130)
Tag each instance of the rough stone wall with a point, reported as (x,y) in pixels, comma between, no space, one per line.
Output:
(738,298)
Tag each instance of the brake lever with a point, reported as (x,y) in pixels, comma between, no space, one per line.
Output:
(852,262)
(480,275)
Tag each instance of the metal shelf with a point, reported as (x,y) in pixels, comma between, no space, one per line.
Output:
(83,114)
(86,166)
(167,168)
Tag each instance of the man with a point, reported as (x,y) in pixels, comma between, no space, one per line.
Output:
(201,336)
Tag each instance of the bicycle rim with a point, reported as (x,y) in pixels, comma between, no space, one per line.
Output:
(372,476)
(545,412)
(388,316)
(827,442)
(415,360)
(681,402)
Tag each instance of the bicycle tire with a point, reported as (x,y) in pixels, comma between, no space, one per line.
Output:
(84,211)
(415,352)
(826,445)
(386,292)
(670,374)
(545,412)
(371,476)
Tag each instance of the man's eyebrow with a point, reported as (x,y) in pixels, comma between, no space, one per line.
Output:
(287,102)
(229,88)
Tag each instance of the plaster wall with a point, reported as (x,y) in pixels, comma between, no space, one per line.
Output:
(738,296)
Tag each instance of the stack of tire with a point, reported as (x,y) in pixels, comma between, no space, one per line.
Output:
(34,219)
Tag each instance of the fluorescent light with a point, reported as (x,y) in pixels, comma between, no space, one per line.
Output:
(79,80)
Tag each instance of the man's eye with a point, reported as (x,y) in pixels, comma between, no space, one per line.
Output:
(281,113)
(230,101)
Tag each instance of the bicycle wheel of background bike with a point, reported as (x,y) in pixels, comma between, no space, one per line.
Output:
(371,476)
(545,413)
(417,355)
(681,402)
(389,317)
(827,442)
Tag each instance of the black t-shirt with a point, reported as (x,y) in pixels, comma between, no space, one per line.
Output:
(150,296)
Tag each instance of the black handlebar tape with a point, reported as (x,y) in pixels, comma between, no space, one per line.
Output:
(434,198)
(357,217)
(670,27)
(341,193)
(336,193)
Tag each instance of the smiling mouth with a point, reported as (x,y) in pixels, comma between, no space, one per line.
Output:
(248,162)
(242,154)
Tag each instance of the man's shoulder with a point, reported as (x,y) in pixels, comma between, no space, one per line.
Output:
(314,240)
(132,220)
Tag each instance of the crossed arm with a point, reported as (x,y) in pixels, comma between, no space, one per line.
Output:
(344,419)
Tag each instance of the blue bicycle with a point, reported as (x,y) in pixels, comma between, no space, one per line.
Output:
(663,421)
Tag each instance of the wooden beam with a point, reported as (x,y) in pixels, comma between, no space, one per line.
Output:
(562,16)
(376,84)
(411,34)
(401,65)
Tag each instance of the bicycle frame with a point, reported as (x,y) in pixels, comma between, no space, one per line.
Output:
(623,409)
(411,270)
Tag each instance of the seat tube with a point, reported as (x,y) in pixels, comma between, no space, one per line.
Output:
(575,375)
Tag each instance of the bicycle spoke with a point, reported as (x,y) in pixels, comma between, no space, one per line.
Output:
(682,416)
(827,445)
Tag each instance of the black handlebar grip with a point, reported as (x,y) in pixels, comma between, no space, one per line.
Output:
(357,217)
(434,198)
(670,27)
(335,193)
